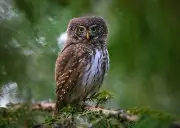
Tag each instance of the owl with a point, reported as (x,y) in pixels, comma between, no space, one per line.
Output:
(83,62)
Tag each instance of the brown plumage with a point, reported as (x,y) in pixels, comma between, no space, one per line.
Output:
(83,62)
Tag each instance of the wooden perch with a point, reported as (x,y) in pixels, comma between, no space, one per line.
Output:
(63,119)
(120,114)
(49,107)
(89,116)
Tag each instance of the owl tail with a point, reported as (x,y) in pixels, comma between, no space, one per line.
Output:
(58,107)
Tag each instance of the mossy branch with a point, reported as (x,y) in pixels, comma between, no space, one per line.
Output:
(80,116)
(84,116)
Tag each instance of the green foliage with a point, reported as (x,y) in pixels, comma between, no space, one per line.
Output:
(147,118)
(152,118)
(77,116)
(102,97)
(86,119)
(20,116)
(72,116)
(144,50)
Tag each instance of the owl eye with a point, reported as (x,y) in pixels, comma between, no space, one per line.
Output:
(93,29)
(80,29)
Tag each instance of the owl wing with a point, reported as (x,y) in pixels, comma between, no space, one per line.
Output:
(106,60)
(69,65)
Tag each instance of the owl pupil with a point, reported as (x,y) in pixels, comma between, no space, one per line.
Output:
(93,29)
(80,29)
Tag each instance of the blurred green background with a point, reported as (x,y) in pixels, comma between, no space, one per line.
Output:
(143,43)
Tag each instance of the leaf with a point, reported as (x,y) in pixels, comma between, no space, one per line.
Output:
(102,97)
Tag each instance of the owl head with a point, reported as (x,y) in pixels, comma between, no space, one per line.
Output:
(87,29)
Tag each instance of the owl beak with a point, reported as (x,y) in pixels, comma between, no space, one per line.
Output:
(87,35)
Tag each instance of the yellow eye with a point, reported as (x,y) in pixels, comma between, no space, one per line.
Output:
(93,29)
(80,29)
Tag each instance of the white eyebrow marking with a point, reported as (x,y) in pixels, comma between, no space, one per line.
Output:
(81,26)
(93,26)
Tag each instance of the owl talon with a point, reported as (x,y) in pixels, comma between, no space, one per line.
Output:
(99,106)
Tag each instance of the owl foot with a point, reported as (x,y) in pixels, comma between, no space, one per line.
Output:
(99,106)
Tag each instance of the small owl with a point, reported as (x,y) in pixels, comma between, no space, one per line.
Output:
(83,62)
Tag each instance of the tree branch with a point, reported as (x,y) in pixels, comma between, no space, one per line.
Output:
(120,114)
(100,114)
